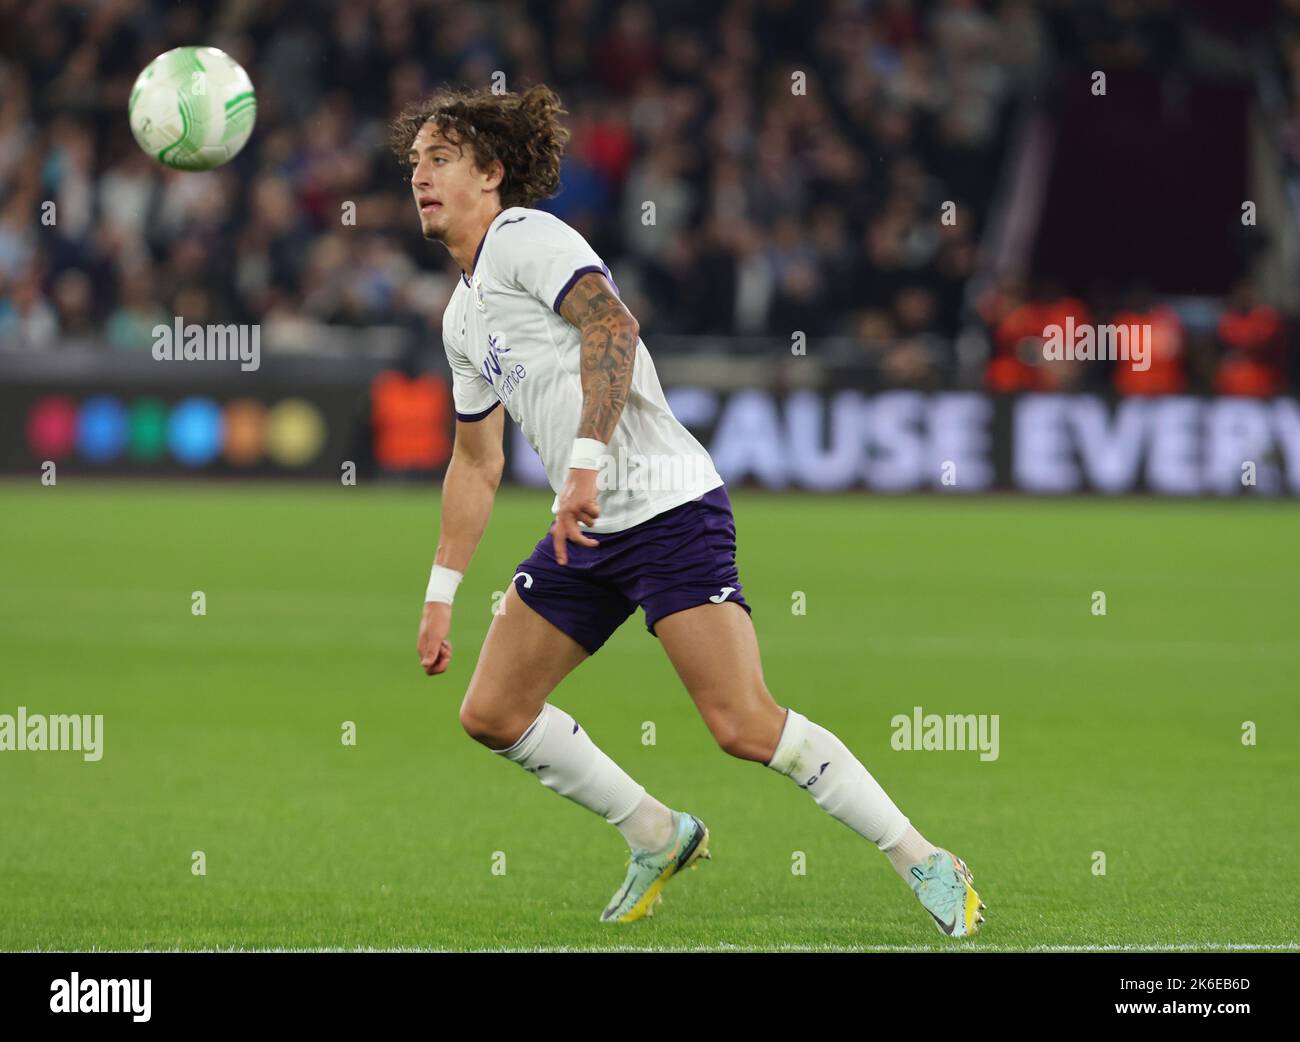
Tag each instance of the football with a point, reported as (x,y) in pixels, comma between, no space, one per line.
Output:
(192,108)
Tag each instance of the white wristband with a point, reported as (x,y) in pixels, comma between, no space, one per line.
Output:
(442,584)
(586,454)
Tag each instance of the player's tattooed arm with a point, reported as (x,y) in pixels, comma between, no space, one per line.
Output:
(609,336)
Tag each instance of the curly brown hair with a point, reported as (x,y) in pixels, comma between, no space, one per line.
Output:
(521,129)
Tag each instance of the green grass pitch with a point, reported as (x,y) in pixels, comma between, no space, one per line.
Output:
(1119,733)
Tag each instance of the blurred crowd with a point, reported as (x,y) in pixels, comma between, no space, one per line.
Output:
(796,153)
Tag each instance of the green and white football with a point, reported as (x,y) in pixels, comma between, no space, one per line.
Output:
(192,108)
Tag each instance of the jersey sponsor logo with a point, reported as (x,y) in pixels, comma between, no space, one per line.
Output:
(492,363)
(501,375)
(477,286)
(727,591)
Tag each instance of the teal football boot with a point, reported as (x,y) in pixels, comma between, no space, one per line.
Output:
(648,871)
(943,884)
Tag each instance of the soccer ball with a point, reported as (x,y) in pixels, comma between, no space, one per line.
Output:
(192,108)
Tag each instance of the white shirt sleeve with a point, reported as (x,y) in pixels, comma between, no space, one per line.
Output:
(542,256)
(473,396)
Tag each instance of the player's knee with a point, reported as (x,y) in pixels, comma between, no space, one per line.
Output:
(473,724)
(489,729)
(734,737)
(749,734)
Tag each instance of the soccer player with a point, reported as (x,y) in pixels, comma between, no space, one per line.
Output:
(535,328)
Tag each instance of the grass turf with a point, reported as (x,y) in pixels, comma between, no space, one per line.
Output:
(1119,734)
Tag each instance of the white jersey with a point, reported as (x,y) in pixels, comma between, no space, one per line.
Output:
(507,344)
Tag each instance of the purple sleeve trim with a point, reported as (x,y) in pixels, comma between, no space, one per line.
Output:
(559,297)
(472,417)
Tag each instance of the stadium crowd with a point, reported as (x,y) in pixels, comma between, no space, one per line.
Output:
(780,203)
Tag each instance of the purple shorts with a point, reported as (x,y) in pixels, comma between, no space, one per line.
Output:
(676,560)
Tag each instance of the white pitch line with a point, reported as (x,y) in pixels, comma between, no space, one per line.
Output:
(973,947)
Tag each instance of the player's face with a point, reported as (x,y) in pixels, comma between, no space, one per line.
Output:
(446,185)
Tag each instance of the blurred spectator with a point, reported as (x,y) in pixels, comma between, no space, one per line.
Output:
(1167,371)
(130,325)
(26,318)
(1019,322)
(1250,339)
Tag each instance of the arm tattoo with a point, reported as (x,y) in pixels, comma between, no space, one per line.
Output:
(609,338)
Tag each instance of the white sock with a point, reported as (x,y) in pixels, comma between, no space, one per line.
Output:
(567,761)
(649,827)
(819,762)
(911,850)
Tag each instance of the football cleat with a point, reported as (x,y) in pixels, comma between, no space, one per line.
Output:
(943,884)
(648,871)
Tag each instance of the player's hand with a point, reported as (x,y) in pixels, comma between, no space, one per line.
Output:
(434,648)
(577,506)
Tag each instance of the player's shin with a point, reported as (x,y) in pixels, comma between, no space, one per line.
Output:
(821,764)
(565,759)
